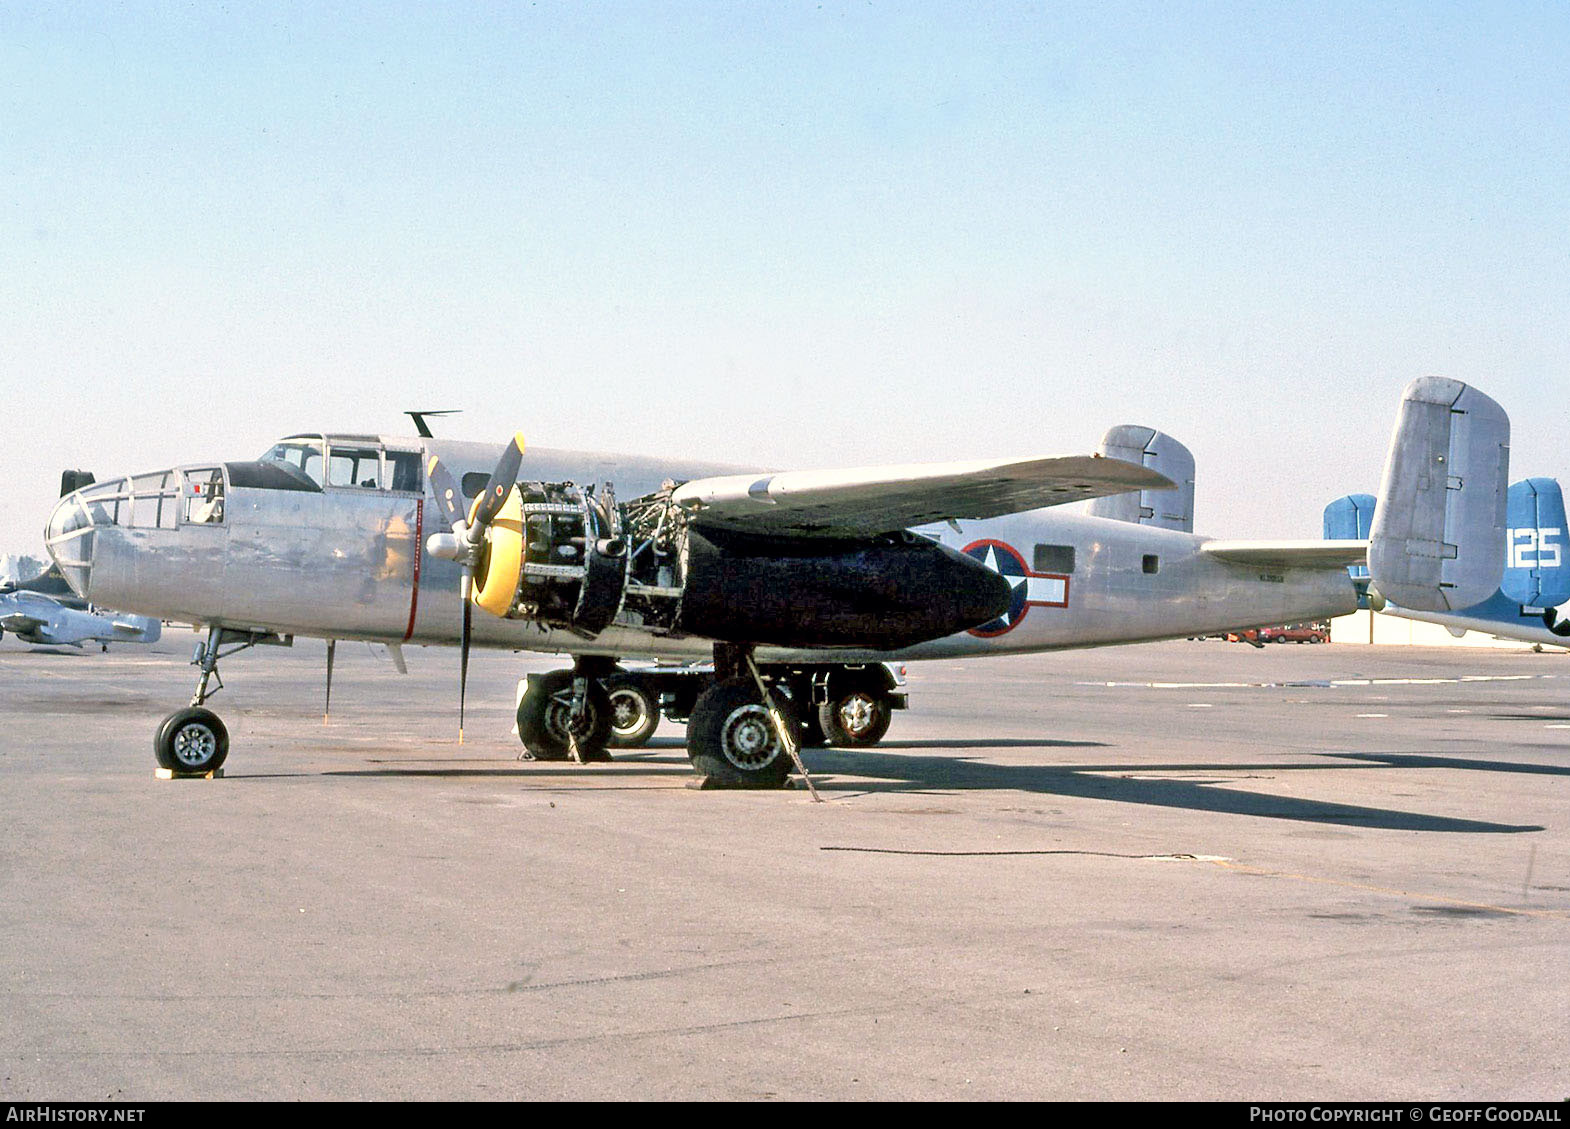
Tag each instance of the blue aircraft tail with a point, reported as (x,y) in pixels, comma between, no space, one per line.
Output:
(1537,561)
(1349,519)
(1537,565)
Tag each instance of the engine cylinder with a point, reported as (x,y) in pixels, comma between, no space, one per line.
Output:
(551,555)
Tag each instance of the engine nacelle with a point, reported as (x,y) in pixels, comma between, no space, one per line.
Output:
(882,593)
(557,554)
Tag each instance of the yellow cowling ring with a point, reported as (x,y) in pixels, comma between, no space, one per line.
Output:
(500,566)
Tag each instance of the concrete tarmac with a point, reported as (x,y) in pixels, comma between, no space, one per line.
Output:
(1184,870)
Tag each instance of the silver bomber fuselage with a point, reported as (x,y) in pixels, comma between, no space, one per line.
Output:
(350,563)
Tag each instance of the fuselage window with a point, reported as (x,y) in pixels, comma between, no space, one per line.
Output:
(1054,558)
(473,483)
(204,497)
(1151,564)
(355,466)
(151,495)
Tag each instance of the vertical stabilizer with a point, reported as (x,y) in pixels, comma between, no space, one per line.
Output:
(1537,568)
(1351,518)
(1439,526)
(1144,446)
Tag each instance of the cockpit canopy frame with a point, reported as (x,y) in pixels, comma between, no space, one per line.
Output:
(358,462)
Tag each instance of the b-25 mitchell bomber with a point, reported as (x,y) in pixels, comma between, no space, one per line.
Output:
(360,537)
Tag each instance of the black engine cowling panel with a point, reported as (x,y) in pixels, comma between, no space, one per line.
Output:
(882,593)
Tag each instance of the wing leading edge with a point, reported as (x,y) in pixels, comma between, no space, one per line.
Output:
(864,501)
(1289,554)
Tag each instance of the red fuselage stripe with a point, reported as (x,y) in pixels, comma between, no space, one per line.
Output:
(419,549)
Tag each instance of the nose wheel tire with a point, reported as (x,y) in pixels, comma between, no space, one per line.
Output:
(856,719)
(545,722)
(732,740)
(634,716)
(191,741)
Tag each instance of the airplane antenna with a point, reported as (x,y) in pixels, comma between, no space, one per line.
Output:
(419,420)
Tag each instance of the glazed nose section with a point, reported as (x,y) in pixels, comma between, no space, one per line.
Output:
(69,539)
(73,527)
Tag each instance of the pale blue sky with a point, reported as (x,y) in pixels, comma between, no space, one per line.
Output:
(788,234)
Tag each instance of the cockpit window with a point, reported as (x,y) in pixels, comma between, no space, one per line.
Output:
(305,457)
(355,466)
(403,468)
(362,465)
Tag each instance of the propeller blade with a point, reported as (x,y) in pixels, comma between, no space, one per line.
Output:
(502,479)
(448,496)
(485,508)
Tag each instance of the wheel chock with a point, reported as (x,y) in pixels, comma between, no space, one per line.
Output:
(171,774)
(714,784)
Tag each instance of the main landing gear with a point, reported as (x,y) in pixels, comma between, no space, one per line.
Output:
(743,729)
(193,741)
(736,737)
(566,714)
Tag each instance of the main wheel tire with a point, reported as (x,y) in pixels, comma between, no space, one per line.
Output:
(812,735)
(635,715)
(545,718)
(855,719)
(191,741)
(732,740)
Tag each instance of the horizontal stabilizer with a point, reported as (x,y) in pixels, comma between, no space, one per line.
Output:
(864,501)
(1537,567)
(1157,451)
(1439,526)
(140,628)
(1289,554)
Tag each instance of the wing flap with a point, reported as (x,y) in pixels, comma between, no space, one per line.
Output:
(1289,554)
(862,501)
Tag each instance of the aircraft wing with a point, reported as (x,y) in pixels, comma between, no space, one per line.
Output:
(863,501)
(1289,554)
(19,623)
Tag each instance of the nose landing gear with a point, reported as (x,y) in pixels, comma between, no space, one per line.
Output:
(193,741)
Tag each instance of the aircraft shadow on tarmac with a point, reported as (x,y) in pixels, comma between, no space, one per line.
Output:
(1417,760)
(867,770)
(1101,782)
